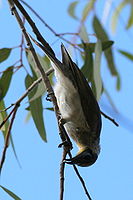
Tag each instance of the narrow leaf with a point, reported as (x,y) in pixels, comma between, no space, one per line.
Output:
(5,81)
(105,45)
(126,54)
(83,34)
(87,68)
(96,72)
(50,108)
(118,84)
(130,20)
(71,9)
(88,7)
(116,14)
(3,115)
(28,117)
(11,194)
(41,89)
(99,30)
(4,54)
(102,35)
(36,109)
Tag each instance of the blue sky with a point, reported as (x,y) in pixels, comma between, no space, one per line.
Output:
(111,176)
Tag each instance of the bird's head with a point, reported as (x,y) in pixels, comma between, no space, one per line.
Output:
(84,158)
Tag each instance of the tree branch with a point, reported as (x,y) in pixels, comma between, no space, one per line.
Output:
(8,136)
(109,118)
(45,79)
(62,168)
(49,27)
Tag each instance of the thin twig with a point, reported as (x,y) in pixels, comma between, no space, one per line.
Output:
(7,137)
(7,108)
(109,118)
(43,75)
(62,168)
(32,86)
(5,120)
(81,179)
(49,27)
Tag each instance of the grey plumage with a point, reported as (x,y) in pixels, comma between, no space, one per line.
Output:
(78,108)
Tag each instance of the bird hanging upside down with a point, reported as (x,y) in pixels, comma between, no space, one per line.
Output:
(78,107)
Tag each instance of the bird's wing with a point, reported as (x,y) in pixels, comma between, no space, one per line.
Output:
(89,104)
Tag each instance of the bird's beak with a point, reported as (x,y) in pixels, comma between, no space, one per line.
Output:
(84,159)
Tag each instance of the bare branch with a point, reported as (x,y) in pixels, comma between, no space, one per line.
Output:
(45,79)
(81,179)
(8,136)
(62,168)
(23,96)
(50,28)
(109,118)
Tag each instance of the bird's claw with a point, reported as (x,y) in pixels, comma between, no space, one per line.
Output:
(48,97)
(62,121)
(66,144)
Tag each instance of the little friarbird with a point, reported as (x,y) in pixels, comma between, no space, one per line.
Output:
(78,107)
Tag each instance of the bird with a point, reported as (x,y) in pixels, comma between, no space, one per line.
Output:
(78,107)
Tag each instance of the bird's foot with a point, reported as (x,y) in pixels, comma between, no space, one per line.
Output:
(66,144)
(48,97)
(62,121)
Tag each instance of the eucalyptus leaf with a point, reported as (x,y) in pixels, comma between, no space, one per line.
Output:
(96,71)
(71,9)
(4,54)
(36,109)
(126,54)
(83,33)
(116,14)
(4,129)
(28,116)
(10,193)
(3,115)
(5,81)
(105,45)
(130,20)
(88,7)
(45,63)
(50,108)
(102,35)
(87,68)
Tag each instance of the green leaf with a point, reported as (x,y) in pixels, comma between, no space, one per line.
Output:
(4,54)
(45,63)
(50,108)
(3,115)
(126,54)
(99,30)
(36,109)
(116,14)
(71,9)
(130,20)
(87,68)
(83,34)
(11,194)
(88,7)
(105,45)
(102,35)
(96,71)
(28,116)
(118,84)
(5,81)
